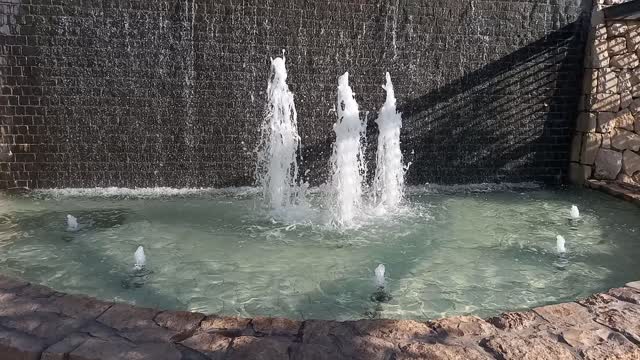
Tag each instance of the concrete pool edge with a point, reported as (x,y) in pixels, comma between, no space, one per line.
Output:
(37,322)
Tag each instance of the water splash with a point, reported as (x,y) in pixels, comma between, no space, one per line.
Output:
(379,271)
(347,157)
(72,223)
(560,244)
(277,168)
(575,213)
(140,258)
(388,184)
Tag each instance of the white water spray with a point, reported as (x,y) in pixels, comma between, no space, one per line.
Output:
(388,185)
(380,275)
(277,168)
(347,157)
(140,258)
(575,213)
(72,223)
(560,244)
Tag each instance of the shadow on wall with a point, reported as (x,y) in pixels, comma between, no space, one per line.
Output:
(509,121)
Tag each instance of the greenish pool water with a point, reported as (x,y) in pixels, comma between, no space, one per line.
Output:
(469,250)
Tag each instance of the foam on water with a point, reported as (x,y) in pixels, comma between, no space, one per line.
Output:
(139,193)
(472,188)
(277,168)
(347,157)
(388,184)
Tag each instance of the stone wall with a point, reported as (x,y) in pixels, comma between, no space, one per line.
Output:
(607,140)
(171,93)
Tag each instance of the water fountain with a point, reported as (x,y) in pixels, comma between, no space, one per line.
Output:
(560,244)
(380,295)
(140,258)
(347,157)
(379,271)
(277,168)
(72,223)
(388,182)
(575,213)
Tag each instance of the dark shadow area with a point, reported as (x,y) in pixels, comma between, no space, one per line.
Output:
(510,121)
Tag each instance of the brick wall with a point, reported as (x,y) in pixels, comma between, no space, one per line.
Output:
(171,93)
(607,140)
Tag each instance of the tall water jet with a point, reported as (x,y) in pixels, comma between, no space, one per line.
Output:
(560,244)
(140,258)
(347,158)
(575,213)
(277,168)
(388,184)
(72,223)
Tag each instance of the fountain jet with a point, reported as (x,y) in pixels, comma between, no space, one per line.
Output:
(380,295)
(277,168)
(140,258)
(347,157)
(72,223)
(560,244)
(379,271)
(388,182)
(575,213)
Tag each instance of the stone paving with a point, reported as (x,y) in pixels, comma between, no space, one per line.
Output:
(39,323)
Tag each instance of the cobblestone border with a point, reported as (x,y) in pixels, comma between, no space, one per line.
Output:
(39,323)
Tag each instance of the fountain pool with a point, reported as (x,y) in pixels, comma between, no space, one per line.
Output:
(473,250)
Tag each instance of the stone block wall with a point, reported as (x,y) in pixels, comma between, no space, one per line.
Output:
(139,93)
(606,145)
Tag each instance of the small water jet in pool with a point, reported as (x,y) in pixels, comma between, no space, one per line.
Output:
(380,295)
(72,223)
(575,213)
(388,182)
(277,168)
(140,258)
(140,274)
(379,271)
(560,248)
(347,159)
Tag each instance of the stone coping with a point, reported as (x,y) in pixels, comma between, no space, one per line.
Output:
(39,323)
(623,191)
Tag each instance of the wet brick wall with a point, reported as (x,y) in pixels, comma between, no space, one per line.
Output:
(171,93)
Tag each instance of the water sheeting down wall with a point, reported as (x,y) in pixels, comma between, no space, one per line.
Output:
(172,93)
